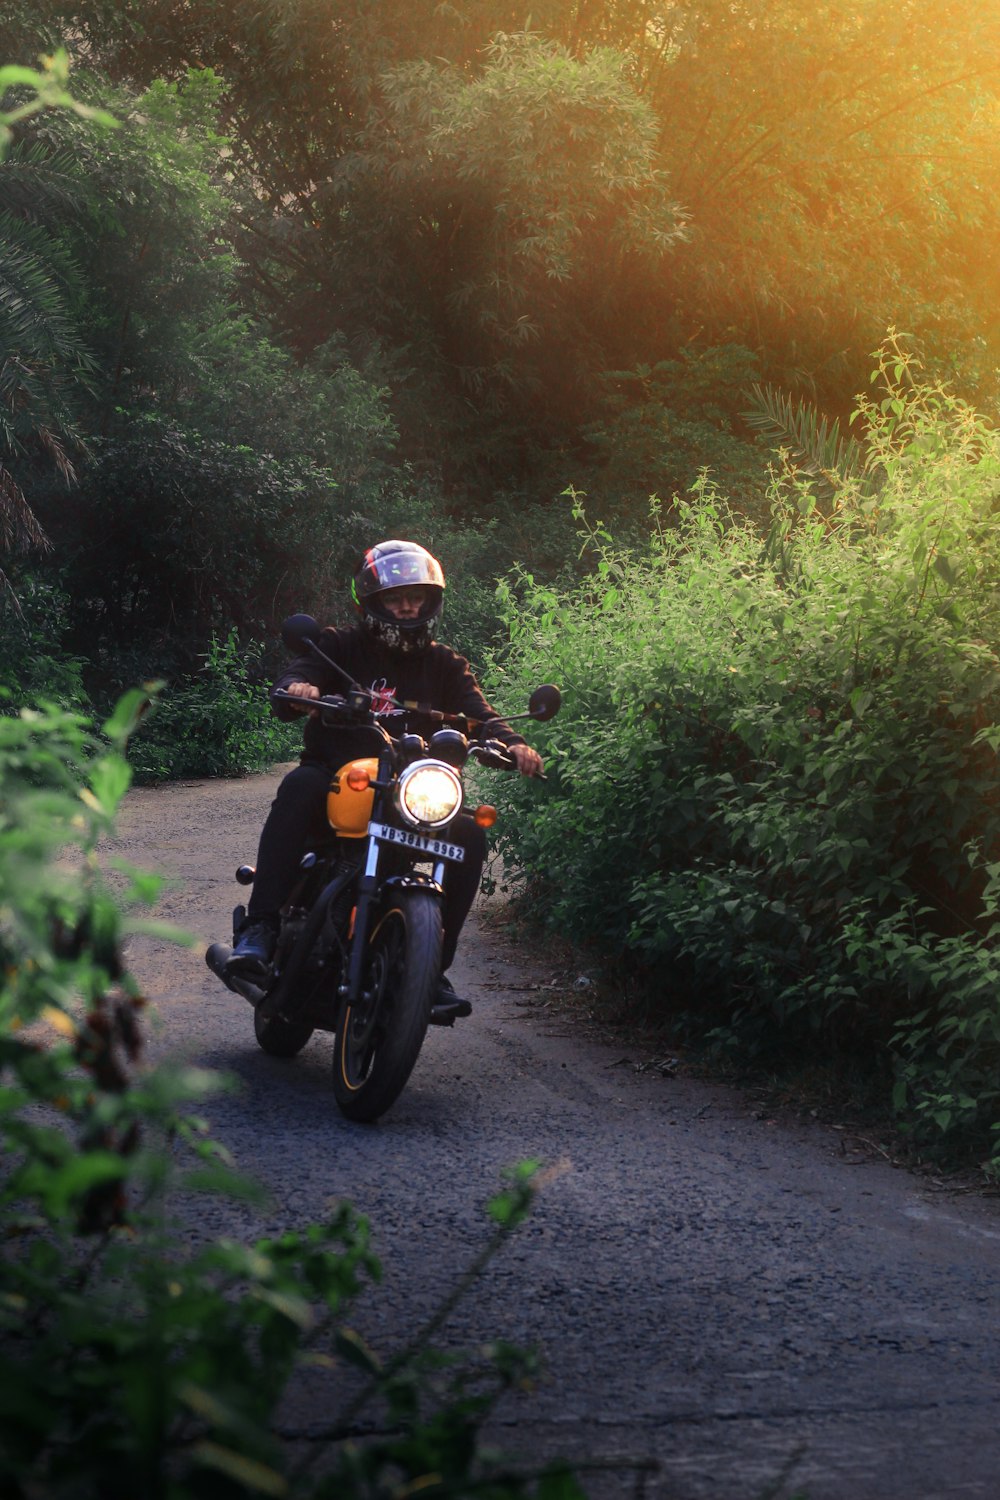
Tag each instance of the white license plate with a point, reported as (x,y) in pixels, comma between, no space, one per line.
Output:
(426,843)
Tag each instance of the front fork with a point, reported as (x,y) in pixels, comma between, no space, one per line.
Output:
(370,886)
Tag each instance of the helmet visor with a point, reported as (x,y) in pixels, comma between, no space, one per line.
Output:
(395,570)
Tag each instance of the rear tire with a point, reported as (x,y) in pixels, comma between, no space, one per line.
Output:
(278,1037)
(376,1046)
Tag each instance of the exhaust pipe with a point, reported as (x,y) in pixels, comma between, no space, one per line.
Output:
(217,956)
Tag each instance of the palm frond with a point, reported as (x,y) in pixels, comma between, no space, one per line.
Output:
(20,528)
(814,442)
(44,365)
(39,182)
(34,314)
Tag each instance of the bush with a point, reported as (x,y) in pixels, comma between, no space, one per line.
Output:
(216,724)
(33,623)
(777,761)
(130,1364)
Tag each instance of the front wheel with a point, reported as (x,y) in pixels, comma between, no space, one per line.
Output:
(378,1041)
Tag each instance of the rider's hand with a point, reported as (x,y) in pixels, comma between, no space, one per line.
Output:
(527,760)
(304,690)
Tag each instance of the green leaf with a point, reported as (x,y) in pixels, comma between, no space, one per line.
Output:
(61,1188)
(109,781)
(352,1347)
(559,1483)
(248,1472)
(511,1207)
(129,710)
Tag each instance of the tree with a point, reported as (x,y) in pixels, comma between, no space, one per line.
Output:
(488,221)
(841,166)
(43,361)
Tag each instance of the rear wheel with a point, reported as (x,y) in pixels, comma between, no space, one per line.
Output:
(378,1041)
(279,1037)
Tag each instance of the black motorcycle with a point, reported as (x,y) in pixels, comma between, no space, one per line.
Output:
(359,945)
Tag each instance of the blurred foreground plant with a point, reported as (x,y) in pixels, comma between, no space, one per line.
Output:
(134,1361)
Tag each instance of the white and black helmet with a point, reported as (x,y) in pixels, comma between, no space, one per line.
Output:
(396,565)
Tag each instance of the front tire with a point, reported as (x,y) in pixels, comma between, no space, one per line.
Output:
(377,1042)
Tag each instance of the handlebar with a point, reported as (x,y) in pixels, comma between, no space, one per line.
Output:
(358,706)
(333,700)
(335,708)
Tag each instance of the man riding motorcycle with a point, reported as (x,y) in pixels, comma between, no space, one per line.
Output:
(398,592)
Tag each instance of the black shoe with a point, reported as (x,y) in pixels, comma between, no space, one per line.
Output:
(448,1006)
(254,949)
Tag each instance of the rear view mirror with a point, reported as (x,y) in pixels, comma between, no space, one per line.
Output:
(545,703)
(299,632)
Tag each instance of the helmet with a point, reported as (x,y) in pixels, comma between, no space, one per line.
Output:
(394,565)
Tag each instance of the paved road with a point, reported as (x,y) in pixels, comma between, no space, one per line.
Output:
(710,1289)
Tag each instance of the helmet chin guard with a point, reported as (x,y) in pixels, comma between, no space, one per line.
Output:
(393,565)
(406,636)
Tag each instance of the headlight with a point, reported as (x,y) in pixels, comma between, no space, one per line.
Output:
(429,793)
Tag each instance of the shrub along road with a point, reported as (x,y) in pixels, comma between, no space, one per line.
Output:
(732,1297)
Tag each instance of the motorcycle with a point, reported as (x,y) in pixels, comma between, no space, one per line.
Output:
(358,951)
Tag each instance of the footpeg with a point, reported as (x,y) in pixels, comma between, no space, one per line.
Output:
(447,1012)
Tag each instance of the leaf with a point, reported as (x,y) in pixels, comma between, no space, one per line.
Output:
(245,1471)
(62,1187)
(59,1021)
(352,1347)
(129,710)
(559,1483)
(815,442)
(945,568)
(166,931)
(510,1207)
(109,781)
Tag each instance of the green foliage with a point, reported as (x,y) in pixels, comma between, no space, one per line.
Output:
(44,361)
(170,536)
(813,443)
(776,766)
(217,723)
(830,195)
(503,209)
(44,356)
(249,391)
(135,1358)
(41,88)
(664,424)
(33,666)
(150,243)
(424,250)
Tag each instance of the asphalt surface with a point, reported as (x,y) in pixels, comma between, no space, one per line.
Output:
(755,1306)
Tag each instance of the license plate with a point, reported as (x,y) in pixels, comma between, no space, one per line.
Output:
(425,843)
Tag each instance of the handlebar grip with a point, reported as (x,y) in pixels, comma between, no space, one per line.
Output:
(309,705)
(301,705)
(494,753)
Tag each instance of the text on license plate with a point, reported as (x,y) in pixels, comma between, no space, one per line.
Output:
(426,843)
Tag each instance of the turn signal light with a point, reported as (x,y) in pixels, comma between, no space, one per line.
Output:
(358,779)
(485,815)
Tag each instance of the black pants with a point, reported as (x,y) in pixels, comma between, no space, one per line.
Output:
(298,819)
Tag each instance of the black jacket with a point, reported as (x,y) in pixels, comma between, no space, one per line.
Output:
(437,678)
